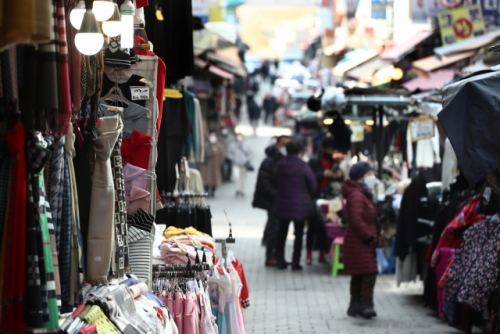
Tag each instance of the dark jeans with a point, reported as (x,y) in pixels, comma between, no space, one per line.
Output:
(297,245)
(362,287)
(316,232)
(271,235)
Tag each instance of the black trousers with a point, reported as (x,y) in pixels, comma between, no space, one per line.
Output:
(316,233)
(297,245)
(362,287)
(271,235)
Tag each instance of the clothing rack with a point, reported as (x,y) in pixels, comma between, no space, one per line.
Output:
(165,270)
(183,195)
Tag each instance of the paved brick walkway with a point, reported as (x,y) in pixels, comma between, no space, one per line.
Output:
(310,301)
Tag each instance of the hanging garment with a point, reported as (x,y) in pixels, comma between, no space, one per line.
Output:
(140,243)
(102,209)
(75,61)
(5,163)
(235,324)
(473,273)
(36,311)
(12,320)
(134,117)
(77,273)
(137,199)
(191,148)
(449,171)
(134,81)
(56,191)
(64,250)
(179,302)
(64,83)
(427,154)
(245,295)
(191,322)
(134,176)
(119,253)
(220,290)
(136,150)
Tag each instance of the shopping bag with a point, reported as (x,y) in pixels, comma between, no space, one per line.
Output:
(382,263)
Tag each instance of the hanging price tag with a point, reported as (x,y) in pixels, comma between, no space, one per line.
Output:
(422,128)
(159,15)
(139,93)
(172,93)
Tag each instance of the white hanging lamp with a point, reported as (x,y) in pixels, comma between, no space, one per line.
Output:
(89,39)
(103,9)
(76,15)
(127,10)
(113,26)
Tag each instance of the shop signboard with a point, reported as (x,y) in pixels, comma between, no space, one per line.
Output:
(358,133)
(418,11)
(422,128)
(460,24)
(490,11)
(432,7)
(201,9)
(379,9)
(451,3)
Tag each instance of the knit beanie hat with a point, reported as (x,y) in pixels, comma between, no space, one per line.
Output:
(359,169)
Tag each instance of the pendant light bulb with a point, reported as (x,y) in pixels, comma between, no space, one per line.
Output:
(89,39)
(103,9)
(127,11)
(76,15)
(113,27)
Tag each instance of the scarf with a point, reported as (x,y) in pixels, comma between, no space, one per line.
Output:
(75,61)
(57,186)
(12,320)
(102,209)
(36,311)
(66,110)
(64,250)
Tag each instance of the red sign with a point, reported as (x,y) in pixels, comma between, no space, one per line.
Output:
(463,28)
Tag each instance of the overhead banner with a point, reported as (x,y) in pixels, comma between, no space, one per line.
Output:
(379,9)
(490,11)
(460,24)
(422,128)
(418,11)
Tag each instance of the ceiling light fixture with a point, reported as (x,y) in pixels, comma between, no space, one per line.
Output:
(76,15)
(103,9)
(113,27)
(89,40)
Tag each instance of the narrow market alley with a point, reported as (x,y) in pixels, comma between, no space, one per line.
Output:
(311,301)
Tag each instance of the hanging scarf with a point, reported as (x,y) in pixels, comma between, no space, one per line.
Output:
(75,61)
(56,189)
(77,259)
(102,209)
(36,311)
(64,250)
(121,259)
(66,110)
(5,164)
(12,320)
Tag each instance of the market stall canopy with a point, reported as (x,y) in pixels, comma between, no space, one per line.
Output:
(223,29)
(432,63)
(435,80)
(366,70)
(470,118)
(200,63)
(469,45)
(399,51)
(230,65)
(354,59)
(335,49)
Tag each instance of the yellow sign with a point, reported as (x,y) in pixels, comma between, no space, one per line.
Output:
(172,93)
(460,24)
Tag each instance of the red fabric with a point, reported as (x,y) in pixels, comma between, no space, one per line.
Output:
(136,150)
(359,259)
(78,310)
(239,268)
(141,3)
(160,81)
(88,329)
(327,164)
(15,261)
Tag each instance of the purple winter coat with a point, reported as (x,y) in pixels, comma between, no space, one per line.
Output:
(296,184)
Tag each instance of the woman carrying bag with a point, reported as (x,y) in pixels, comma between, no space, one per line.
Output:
(241,155)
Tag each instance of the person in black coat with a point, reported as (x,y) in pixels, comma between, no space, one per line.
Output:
(253,113)
(265,194)
(269,106)
(326,170)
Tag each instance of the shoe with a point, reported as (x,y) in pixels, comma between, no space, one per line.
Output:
(282,265)
(355,309)
(296,267)
(271,263)
(309,257)
(368,310)
(237,194)
(322,257)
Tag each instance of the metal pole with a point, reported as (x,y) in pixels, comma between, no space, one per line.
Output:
(380,151)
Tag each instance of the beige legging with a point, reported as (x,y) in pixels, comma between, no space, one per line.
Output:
(242,178)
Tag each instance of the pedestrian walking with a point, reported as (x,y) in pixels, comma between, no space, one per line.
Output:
(296,184)
(241,155)
(226,139)
(211,168)
(253,113)
(328,175)
(269,106)
(359,250)
(265,195)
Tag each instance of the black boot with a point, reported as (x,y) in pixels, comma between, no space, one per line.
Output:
(282,265)
(296,266)
(369,310)
(355,309)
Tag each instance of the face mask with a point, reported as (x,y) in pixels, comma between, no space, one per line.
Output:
(240,139)
(212,139)
(282,150)
(370,181)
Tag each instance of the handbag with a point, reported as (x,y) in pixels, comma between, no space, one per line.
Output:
(249,166)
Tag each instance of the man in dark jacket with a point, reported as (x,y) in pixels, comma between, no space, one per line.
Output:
(327,171)
(269,106)
(265,194)
(296,185)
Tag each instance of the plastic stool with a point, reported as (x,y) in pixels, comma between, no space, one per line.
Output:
(392,260)
(336,266)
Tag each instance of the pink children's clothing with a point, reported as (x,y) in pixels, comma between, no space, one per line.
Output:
(179,311)
(134,176)
(191,321)
(137,199)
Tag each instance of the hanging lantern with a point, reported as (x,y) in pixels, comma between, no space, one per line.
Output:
(76,15)
(113,26)
(103,9)
(89,39)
